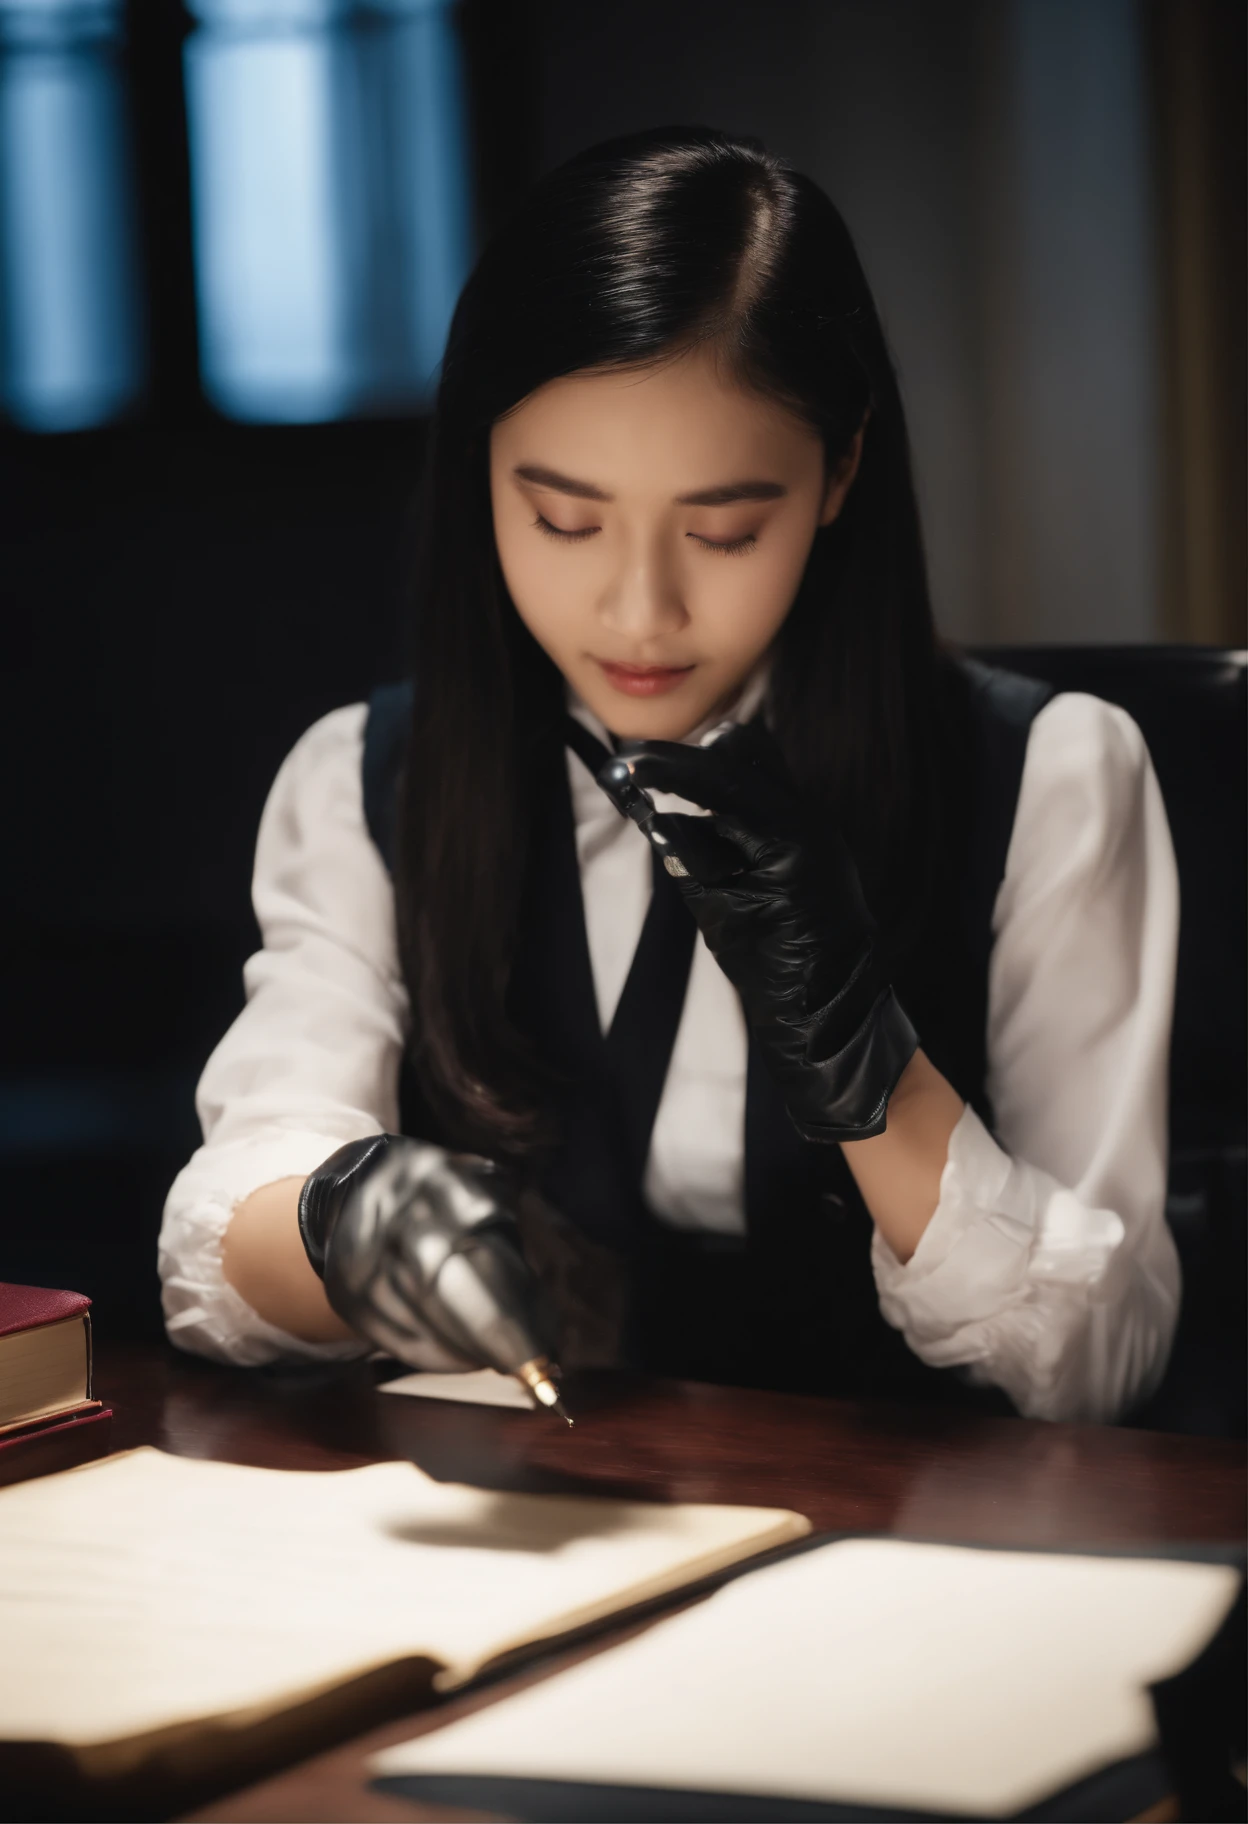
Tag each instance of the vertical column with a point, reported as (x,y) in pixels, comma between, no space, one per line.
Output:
(329,181)
(1198,57)
(891,106)
(71,345)
(1071,326)
(270,279)
(433,206)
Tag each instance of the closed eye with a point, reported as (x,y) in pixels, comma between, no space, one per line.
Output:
(733,547)
(571,538)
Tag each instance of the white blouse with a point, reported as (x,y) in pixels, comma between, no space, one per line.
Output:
(1047,1268)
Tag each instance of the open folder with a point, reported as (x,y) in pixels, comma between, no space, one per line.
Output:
(865,1678)
(154,1610)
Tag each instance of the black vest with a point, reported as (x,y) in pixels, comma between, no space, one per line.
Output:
(793,1305)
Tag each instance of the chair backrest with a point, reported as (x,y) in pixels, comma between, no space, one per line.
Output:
(1191,703)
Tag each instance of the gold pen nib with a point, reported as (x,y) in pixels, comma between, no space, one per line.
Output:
(536,1376)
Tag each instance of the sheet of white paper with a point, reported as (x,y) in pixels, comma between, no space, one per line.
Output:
(869,1672)
(147,1590)
(479,1387)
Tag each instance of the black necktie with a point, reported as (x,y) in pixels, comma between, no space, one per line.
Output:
(647,1016)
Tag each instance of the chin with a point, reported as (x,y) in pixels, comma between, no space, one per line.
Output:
(650,722)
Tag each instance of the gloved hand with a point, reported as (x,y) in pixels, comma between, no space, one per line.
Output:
(421,1254)
(785,919)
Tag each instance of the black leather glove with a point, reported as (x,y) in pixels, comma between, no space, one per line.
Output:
(785,919)
(421,1254)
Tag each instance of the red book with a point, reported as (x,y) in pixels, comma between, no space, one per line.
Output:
(48,1417)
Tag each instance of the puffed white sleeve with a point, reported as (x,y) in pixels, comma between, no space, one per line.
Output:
(1048,1268)
(312,1060)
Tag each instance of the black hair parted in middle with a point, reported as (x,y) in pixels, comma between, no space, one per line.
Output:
(635,252)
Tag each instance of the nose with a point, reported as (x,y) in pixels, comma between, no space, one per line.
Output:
(643,599)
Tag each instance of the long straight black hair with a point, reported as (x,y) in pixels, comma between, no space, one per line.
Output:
(633,252)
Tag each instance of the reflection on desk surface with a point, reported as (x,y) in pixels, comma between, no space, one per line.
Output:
(922,1472)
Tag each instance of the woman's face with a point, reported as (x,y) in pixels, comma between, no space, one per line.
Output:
(653,525)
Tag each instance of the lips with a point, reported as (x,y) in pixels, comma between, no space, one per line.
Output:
(643,680)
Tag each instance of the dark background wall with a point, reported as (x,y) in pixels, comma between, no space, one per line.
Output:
(1048,197)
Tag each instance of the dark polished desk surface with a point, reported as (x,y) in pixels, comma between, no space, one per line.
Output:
(917,1473)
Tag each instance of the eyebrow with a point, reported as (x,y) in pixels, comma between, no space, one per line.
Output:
(723,496)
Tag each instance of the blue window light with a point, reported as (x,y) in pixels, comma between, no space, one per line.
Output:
(71,347)
(330,202)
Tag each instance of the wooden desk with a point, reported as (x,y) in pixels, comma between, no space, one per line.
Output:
(926,1474)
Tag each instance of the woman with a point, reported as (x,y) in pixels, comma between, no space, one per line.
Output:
(916,1150)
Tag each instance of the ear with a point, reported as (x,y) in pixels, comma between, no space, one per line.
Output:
(842,479)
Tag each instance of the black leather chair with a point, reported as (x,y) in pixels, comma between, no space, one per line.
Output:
(1191,703)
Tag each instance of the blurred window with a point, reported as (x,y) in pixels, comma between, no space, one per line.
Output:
(330,201)
(70,342)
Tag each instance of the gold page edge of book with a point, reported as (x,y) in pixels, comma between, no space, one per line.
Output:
(58,1323)
(43,1421)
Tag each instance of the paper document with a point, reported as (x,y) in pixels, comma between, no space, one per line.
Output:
(867,1672)
(150,1590)
(479,1387)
